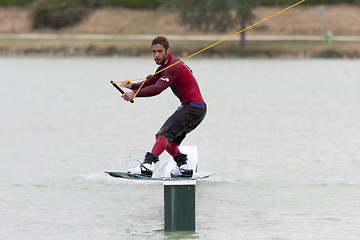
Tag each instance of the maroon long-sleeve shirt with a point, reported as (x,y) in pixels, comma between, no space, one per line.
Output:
(178,77)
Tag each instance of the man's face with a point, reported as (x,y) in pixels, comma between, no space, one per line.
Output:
(159,53)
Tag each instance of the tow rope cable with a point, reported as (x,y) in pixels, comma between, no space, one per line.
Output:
(210,46)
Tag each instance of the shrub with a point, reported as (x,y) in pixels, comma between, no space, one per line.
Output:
(15,2)
(145,4)
(57,13)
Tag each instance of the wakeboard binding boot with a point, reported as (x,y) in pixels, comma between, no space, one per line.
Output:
(182,168)
(147,167)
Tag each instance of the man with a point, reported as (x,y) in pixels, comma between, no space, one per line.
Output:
(185,119)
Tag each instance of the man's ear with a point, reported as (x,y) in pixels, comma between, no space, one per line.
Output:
(167,51)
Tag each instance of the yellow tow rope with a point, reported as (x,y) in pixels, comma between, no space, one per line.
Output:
(139,79)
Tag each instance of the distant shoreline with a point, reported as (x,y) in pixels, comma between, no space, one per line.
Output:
(69,45)
(127,32)
(111,51)
(249,37)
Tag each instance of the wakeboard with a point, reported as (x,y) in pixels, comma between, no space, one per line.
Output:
(196,176)
(192,153)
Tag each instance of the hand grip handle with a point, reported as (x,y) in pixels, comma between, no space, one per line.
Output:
(120,90)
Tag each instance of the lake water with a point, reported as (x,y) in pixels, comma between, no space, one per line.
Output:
(282,136)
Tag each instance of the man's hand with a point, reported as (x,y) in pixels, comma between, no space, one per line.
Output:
(126,84)
(128,96)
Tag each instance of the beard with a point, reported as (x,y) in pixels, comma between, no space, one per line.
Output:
(161,61)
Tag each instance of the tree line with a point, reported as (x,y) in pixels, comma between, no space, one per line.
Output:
(204,15)
(150,4)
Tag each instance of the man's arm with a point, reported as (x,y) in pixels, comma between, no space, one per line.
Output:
(150,80)
(155,89)
(163,81)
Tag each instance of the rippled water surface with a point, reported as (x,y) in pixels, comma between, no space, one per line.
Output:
(282,136)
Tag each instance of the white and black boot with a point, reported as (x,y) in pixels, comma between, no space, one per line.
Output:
(182,168)
(147,167)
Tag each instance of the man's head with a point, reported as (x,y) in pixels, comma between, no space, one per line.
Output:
(160,49)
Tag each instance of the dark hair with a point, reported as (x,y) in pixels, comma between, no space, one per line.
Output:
(162,41)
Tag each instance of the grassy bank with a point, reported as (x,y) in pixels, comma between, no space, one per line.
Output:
(340,19)
(267,49)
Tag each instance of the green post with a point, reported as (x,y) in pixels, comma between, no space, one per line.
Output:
(329,38)
(179,205)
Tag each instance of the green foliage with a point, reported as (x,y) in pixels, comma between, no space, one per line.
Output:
(214,15)
(308,2)
(206,15)
(142,4)
(151,4)
(316,2)
(15,2)
(57,13)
